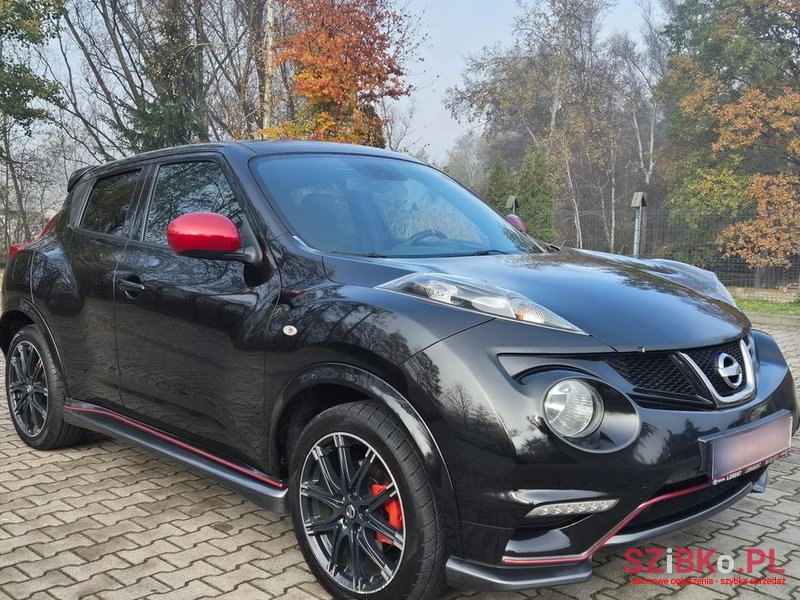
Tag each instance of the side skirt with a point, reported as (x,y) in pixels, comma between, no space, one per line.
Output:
(264,490)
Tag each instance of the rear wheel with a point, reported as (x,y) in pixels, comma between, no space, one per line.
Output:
(35,392)
(363,510)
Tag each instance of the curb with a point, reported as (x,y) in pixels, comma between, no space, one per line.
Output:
(765,319)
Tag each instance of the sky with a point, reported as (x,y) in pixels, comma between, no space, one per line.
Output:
(456,29)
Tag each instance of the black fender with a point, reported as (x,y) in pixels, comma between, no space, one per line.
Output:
(379,390)
(26,307)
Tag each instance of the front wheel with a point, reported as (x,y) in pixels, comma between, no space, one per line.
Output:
(363,509)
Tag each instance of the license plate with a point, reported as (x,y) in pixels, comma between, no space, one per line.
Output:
(748,448)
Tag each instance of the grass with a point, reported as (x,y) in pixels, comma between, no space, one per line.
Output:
(791,309)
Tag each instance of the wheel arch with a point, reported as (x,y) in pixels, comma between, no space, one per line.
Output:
(11,322)
(301,400)
(18,313)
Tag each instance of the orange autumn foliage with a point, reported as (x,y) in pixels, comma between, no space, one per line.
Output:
(346,55)
(752,123)
(735,131)
(770,238)
(756,117)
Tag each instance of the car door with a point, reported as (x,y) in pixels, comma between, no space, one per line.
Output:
(94,241)
(189,330)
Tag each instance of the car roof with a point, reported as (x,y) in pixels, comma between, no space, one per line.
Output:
(257,147)
(264,147)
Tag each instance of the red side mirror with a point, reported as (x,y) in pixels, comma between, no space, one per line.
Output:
(517,222)
(203,235)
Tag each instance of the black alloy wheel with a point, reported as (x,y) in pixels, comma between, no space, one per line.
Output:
(35,392)
(352,513)
(27,388)
(364,511)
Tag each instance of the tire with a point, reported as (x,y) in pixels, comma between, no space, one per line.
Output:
(38,386)
(414,555)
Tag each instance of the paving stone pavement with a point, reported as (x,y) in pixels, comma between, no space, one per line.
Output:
(107,520)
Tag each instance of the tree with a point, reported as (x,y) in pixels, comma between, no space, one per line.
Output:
(398,123)
(23,24)
(347,56)
(132,73)
(176,113)
(500,185)
(641,72)
(535,194)
(531,184)
(767,126)
(735,129)
(558,94)
(248,91)
(465,161)
(137,74)
(772,236)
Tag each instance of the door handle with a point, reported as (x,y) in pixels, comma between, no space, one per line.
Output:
(132,287)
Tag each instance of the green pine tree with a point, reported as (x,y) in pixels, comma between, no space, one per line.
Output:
(500,186)
(176,114)
(534,187)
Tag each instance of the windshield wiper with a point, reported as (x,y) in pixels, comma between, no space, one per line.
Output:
(363,254)
(488,252)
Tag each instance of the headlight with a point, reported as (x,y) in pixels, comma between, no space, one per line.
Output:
(573,408)
(478,296)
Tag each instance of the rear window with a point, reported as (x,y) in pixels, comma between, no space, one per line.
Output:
(108,204)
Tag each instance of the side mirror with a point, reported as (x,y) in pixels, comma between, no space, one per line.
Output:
(517,223)
(205,235)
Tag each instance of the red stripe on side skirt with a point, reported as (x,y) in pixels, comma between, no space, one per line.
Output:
(163,436)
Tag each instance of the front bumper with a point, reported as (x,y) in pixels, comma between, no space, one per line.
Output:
(503,461)
(479,577)
(482,577)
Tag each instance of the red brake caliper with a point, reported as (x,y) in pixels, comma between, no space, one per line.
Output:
(393,512)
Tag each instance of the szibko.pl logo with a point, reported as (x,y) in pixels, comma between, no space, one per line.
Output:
(702,563)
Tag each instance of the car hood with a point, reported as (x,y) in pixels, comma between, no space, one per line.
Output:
(627,303)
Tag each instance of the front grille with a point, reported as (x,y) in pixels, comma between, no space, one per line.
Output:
(656,372)
(670,376)
(705,359)
(683,506)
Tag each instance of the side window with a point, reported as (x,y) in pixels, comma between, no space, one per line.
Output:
(188,187)
(108,203)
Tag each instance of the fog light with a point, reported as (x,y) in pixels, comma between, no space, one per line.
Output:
(572,508)
(573,408)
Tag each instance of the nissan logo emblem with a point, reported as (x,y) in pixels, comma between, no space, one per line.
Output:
(729,370)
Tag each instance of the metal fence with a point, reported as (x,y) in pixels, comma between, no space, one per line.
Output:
(666,235)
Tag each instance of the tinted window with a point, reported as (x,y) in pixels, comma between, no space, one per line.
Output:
(381,206)
(108,204)
(185,188)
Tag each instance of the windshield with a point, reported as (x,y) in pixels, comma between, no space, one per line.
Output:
(375,206)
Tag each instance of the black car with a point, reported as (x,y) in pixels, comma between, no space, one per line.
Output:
(348,335)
